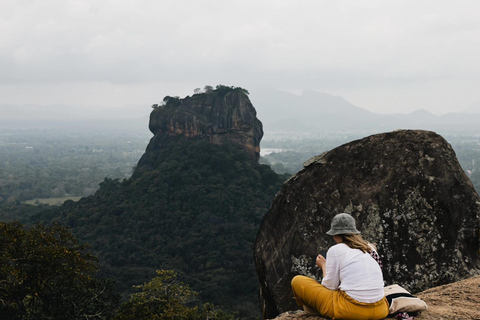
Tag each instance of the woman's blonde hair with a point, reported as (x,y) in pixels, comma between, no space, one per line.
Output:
(355,241)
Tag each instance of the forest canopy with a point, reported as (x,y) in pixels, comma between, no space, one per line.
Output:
(197,211)
(47,274)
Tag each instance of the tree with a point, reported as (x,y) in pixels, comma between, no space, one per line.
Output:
(165,297)
(169,101)
(46,274)
(166,99)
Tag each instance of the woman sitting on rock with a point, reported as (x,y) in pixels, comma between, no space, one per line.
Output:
(352,285)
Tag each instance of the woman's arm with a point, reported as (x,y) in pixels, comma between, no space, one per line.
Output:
(322,264)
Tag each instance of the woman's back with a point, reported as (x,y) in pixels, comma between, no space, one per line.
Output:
(354,272)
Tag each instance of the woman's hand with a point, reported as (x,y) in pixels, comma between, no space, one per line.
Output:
(321,262)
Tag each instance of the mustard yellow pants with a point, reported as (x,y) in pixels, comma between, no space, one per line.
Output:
(335,304)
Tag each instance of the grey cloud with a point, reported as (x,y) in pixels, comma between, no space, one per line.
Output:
(340,47)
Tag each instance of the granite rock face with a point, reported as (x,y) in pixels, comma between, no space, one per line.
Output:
(409,196)
(218,118)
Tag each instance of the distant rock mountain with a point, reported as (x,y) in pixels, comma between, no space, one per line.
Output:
(228,116)
(321,112)
(314,111)
(422,115)
(409,196)
(322,103)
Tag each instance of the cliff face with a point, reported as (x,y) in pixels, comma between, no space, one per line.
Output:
(215,117)
(408,194)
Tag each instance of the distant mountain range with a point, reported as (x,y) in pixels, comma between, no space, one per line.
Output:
(279,111)
(320,112)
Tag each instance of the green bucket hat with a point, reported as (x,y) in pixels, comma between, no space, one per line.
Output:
(342,223)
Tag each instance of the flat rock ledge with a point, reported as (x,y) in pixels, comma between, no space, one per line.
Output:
(458,300)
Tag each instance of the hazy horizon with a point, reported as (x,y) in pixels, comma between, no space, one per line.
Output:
(72,112)
(60,112)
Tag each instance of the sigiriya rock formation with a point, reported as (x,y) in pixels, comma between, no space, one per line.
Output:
(225,115)
(409,196)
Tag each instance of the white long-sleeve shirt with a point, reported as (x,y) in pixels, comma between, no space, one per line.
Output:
(354,272)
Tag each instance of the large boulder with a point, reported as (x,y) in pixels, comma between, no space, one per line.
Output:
(409,196)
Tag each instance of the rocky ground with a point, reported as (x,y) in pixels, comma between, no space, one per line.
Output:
(459,301)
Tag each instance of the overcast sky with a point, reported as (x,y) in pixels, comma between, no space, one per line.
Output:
(385,56)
